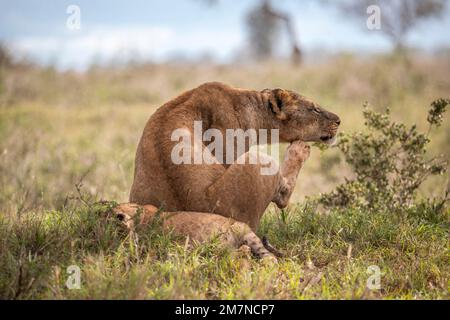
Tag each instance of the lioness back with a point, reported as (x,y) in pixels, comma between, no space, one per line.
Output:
(210,102)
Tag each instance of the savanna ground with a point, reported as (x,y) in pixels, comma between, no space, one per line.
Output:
(68,140)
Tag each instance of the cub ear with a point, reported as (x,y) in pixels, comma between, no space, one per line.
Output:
(276,99)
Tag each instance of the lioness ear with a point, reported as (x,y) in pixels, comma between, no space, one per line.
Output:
(276,99)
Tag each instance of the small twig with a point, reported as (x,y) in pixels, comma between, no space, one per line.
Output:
(349,251)
(23,206)
(78,187)
(19,280)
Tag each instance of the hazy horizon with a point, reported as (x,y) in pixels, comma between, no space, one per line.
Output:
(160,31)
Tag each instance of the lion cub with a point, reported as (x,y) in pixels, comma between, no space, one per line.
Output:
(198,227)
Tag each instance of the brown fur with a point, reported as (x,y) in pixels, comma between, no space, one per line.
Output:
(197,227)
(238,190)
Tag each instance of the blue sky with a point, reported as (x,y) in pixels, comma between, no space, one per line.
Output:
(161,30)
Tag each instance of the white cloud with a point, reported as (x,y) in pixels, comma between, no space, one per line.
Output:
(102,44)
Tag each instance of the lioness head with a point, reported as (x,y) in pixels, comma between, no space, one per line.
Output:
(299,118)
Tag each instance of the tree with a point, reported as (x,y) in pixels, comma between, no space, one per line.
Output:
(265,24)
(5,56)
(398,17)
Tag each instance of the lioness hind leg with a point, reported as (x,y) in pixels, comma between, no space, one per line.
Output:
(243,192)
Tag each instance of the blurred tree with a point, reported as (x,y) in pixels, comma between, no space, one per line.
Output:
(264,26)
(5,56)
(398,17)
(209,2)
(5,62)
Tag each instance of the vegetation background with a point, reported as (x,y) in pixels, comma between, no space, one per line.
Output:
(68,138)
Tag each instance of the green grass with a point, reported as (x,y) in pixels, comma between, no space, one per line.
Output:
(411,251)
(58,130)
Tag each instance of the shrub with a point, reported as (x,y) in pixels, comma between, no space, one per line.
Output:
(389,160)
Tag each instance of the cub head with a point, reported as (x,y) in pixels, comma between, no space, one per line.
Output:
(299,118)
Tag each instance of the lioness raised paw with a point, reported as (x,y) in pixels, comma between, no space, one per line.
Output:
(296,154)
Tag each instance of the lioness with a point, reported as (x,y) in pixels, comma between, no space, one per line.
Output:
(238,191)
(201,226)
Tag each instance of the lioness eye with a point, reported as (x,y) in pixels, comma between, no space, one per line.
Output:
(316,110)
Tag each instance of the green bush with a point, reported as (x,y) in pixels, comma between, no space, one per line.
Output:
(389,160)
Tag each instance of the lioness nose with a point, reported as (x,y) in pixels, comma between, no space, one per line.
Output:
(333,118)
